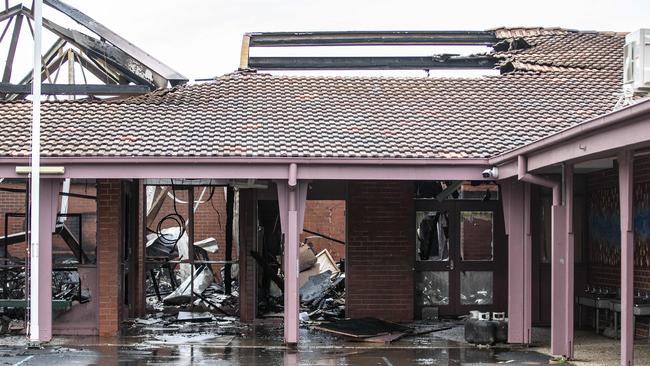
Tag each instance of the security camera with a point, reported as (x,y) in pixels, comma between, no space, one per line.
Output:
(491,173)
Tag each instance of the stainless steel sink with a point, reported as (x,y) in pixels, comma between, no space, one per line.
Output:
(641,306)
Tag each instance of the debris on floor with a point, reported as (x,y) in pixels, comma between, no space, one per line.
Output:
(321,283)
(189,316)
(366,330)
(202,279)
(67,291)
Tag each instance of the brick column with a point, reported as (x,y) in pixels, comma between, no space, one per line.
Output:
(247,265)
(380,250)
(109,249)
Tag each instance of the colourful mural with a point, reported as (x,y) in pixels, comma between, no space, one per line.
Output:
(604,226)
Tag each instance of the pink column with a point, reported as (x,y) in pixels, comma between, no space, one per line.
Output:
(291,202)
(559,272)
(569,260)
(625,183)
(48,200)
(558,281)
(516,206)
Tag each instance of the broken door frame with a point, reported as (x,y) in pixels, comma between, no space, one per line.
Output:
(455,265)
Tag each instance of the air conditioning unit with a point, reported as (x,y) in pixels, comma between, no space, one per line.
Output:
(636,68)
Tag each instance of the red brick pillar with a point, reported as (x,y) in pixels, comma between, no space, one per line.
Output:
(247,265)
(109,249)
(380,250)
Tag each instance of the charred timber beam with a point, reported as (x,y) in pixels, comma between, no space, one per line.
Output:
(150,62)
(371,63)
(280,39)
(130,67)
(81,89)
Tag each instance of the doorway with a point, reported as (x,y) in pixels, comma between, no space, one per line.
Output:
(460,252)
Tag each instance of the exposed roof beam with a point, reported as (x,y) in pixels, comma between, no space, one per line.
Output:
(76,89)
(8,13)
(6,76)
(283,39)
(133,69)
(48,58)
(102,74)
(150,62)
(371,63)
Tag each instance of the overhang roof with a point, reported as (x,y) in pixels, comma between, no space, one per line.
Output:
(566,77)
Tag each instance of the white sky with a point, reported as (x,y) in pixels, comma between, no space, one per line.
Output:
(202,38)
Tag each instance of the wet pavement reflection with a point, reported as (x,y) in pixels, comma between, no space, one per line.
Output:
(262,346)
(201,355)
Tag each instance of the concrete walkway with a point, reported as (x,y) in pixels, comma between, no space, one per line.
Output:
(258,345)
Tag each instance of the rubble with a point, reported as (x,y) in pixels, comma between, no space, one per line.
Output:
(321,283)
(183,294)
(189,316)
(366,329)
(315,286)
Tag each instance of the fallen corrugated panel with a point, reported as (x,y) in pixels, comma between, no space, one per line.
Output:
(364,328)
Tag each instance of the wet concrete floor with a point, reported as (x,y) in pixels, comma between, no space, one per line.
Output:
(258,346)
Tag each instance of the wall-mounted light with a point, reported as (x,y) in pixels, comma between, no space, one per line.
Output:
(45,170)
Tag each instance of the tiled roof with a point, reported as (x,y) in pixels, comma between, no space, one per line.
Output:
(563,79)
(582,50)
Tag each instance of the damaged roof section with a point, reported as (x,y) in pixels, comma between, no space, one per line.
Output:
(512,49)
(369,38)
(120,67)
(557,49)
(253,115)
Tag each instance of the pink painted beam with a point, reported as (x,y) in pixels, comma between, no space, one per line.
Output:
(255,169)
(625,182)
(569,256)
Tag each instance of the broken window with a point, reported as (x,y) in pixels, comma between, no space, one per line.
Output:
(432,228)
(432,288)
(476,235)
(476,288)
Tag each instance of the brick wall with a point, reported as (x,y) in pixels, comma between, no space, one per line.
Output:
(14,202)
(209,219)
(328,218)
(380,247)
(600,274)
(109,203)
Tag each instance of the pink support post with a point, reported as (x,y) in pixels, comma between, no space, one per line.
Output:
(558,281)
(49,194)
(559,270)
(292,195)
(625,182)
(569,260)
(528,265)
(516,196)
